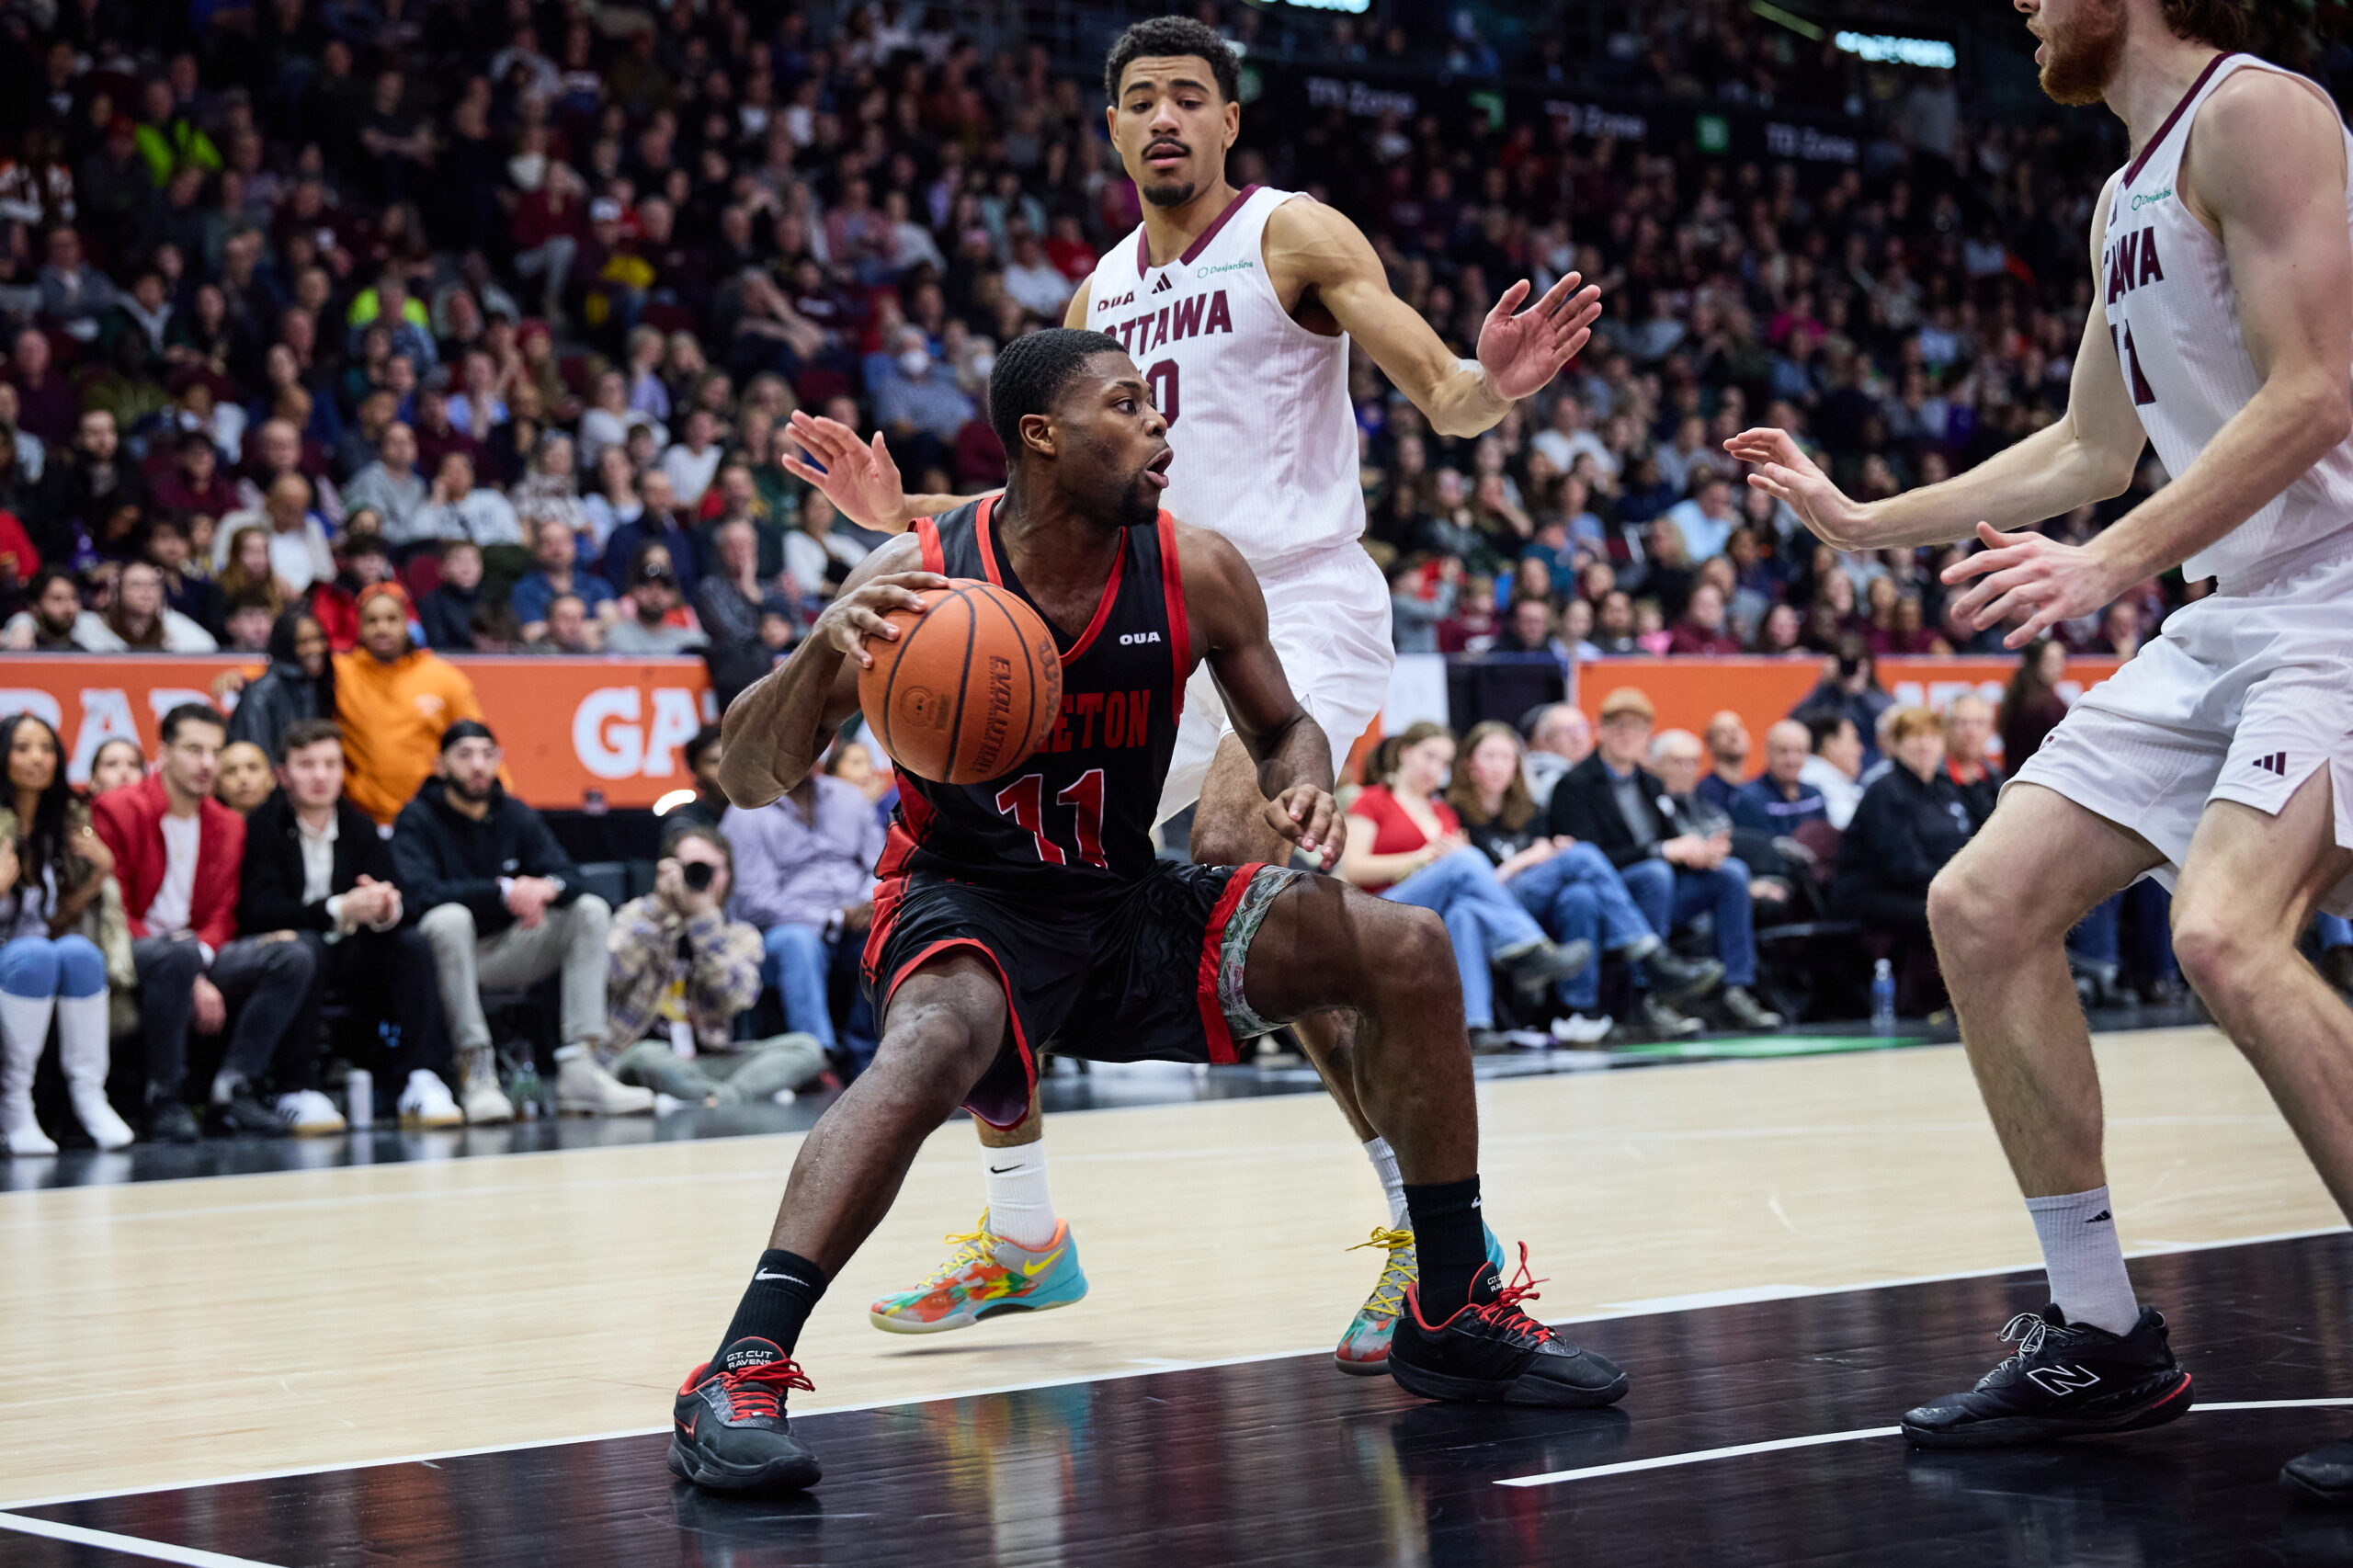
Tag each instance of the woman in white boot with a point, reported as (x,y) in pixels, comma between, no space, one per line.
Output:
(53,874)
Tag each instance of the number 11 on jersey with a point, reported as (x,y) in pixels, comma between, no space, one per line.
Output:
(1024,802)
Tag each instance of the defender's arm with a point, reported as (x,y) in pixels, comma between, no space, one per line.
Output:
(1311,243)
(2086,455)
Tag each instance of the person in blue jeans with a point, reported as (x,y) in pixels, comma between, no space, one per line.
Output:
(1570,886)
(2336,934)
(804,878)
(1406,845)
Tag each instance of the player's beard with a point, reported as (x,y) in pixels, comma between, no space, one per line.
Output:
(2084,53)
(1173,194)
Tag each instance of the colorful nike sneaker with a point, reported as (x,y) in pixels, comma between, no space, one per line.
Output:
(728,1428)
(984,1276)
(1491,1352)
(1364,1349)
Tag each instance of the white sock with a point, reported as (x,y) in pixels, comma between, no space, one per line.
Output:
(2084,1259)
(1384,1164)
(1020,1209)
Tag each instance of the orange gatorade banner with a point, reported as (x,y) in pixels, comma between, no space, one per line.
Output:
(571,727)
(1688,692)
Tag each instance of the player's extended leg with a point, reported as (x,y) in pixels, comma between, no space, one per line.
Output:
(946,1025)
(2250,882)
(1230,828)
(1462,1335)
(2000,913)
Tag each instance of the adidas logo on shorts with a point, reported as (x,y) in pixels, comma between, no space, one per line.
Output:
(2276,763)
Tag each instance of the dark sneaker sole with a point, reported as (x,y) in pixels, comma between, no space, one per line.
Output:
(1522,1389)
(791,1473)
(2304,1490)
(2013,1431)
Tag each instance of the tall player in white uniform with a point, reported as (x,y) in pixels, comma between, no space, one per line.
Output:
(1239,306)
(2220,760)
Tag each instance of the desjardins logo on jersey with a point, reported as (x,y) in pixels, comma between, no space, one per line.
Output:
(1243,266)
(2151,199)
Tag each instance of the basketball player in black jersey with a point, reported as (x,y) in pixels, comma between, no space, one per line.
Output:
(1030,911)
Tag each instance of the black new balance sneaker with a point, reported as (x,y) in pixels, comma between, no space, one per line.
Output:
(2065,1380)
(2324,1476)
(729,1431)
(1491,1352)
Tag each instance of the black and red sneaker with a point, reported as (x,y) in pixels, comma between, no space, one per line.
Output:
(1493,1352)
(2065,1380)
(729,1431)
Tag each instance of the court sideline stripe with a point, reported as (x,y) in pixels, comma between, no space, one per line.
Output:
(1629,1310)
(1777,1444)
(129,1545)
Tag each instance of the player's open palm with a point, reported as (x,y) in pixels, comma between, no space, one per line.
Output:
(2031,579)
(1521,353)
(1787,475)
(860,480)
(863,612)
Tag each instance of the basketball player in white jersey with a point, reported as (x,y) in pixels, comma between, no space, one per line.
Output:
(2221,759)
(1239,306)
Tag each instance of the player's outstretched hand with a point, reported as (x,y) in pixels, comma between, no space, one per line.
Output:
(2027,574)
(1521,353)
(1310,818)
(858,615)
(860,480)
(1787,475)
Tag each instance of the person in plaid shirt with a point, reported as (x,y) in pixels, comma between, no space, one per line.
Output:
(680,972)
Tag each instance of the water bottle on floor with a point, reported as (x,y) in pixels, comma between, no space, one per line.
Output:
(359,1098)
(1883,998)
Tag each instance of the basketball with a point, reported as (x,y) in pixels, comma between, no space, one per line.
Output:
(970,688)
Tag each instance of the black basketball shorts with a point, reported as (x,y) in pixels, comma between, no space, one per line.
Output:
(1151,972)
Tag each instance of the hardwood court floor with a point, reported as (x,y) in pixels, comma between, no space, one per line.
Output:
(168,1333)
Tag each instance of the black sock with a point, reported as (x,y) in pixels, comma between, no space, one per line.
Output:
(776,1303)
(1449,1244)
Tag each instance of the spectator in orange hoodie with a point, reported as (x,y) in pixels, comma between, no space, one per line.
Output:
(394,699)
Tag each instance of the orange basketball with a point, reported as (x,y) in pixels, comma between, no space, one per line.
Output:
(970,690)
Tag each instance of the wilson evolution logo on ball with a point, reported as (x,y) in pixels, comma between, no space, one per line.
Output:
(968,689)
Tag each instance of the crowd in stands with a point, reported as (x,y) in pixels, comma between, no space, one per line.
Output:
(349,336)
(187,928)
(511,303)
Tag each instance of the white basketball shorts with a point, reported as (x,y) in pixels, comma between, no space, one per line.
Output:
(1328,616)
(2244,698)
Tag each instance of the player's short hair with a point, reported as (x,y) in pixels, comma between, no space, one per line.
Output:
(304,733)
(1032,372)
(2223,23)
(1159,35)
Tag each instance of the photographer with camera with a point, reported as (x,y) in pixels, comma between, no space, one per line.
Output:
(681,972)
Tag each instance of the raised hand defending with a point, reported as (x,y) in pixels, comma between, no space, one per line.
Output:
(861,480)
(1521,353)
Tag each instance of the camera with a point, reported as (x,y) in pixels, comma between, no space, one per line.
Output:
(698,874)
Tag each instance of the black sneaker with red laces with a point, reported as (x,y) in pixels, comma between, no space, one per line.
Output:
(1493,1352)
(729,1431)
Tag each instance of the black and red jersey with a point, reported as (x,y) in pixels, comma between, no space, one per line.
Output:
(1076,817)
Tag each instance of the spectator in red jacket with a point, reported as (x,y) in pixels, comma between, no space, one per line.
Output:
(178,855)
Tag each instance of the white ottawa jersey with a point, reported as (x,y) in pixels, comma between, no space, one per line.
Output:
(2173,312)
(1257,405)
